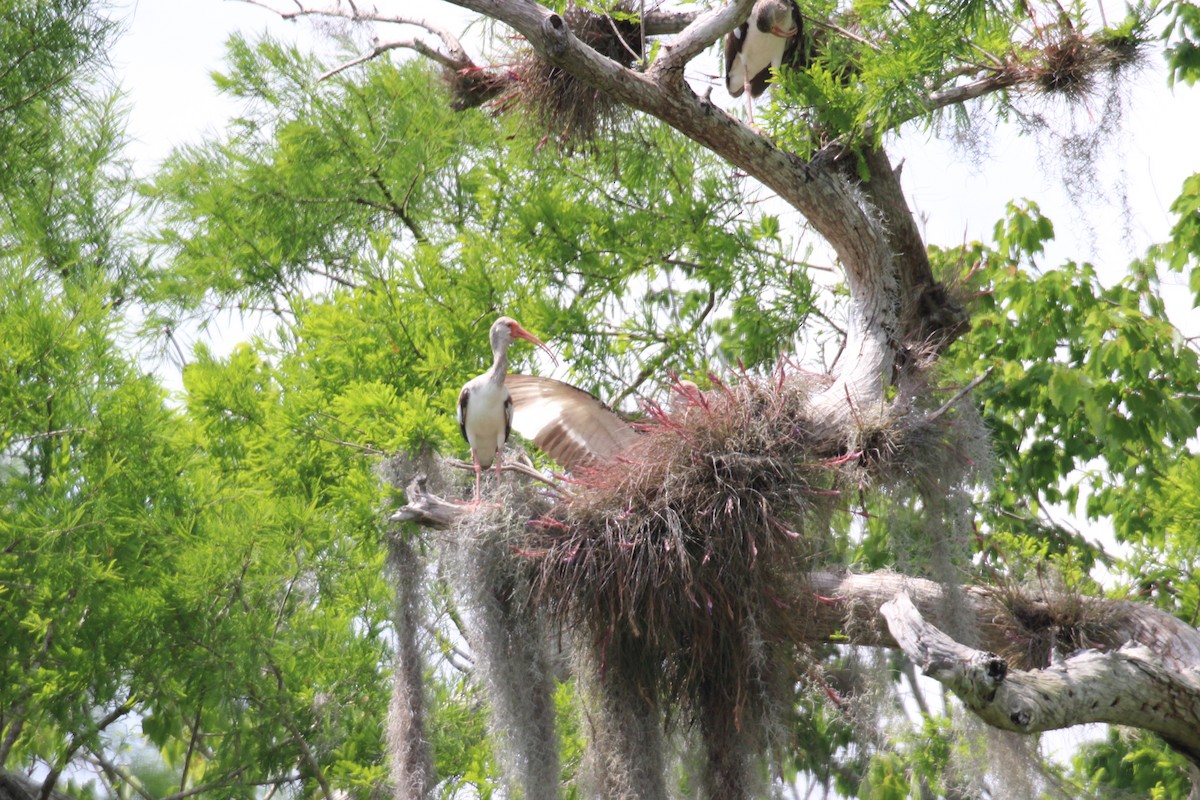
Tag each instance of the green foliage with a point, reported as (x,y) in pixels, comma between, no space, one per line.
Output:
(1182,34)
(1167,570)
(1091,393)
(92,501)
(458,734)
(45,51)
(1182,252)
(875,66)
(89,489)
(917,765)
(212,568)
(460,216)
(196,571)
(825,748)
(1136,763)
(318,182)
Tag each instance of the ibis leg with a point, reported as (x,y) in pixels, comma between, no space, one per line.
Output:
(478,475)
(746,88)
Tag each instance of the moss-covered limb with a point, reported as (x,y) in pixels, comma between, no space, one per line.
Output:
(1131,685)
(410,760)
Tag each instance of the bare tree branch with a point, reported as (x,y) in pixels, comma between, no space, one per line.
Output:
(955,95)
(702,32)
(427,509)
(1131,685)
(379,49)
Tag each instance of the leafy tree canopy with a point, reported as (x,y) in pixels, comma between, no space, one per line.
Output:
(210,573)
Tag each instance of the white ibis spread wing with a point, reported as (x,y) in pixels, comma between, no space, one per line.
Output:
(572,426)
(773,35)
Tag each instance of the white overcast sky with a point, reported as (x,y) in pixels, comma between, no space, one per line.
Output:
(170,48)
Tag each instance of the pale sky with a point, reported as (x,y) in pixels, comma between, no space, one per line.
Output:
(169,49)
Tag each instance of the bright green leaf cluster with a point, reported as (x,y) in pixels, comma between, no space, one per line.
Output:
(1093,392)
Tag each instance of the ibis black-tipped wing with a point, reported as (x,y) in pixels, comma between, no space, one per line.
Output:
(463,397)
(733,48)
(797,53)
(572,426)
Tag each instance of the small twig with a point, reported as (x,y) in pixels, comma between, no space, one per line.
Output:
(380,49)
(843,32)
(959,395)
(656,362)
(344,282)
(450,650)
(989,56)
(455,57)
(531,473)
(628,49)
(49,434)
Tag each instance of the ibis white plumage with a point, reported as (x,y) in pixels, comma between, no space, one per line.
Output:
(485,408)
(770,37)
(572,426)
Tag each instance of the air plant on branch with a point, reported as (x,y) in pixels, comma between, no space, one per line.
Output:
(566,105)
(683,562)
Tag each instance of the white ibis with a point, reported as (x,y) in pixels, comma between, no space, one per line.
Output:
(570,425)
(769,37)
(485,409)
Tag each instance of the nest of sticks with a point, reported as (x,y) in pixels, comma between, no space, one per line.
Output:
(562,103)
(685,561)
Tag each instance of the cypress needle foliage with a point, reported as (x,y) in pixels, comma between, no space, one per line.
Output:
(877,66)
(215,566)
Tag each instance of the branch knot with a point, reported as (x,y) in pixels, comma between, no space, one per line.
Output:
(557,34)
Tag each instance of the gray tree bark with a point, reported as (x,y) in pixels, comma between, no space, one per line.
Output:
(1142,668)
(1132,685)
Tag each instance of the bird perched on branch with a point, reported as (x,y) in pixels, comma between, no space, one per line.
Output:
(771,36)
(485,408)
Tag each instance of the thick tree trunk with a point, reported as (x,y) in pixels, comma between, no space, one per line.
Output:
(1136,666)
(817,189)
